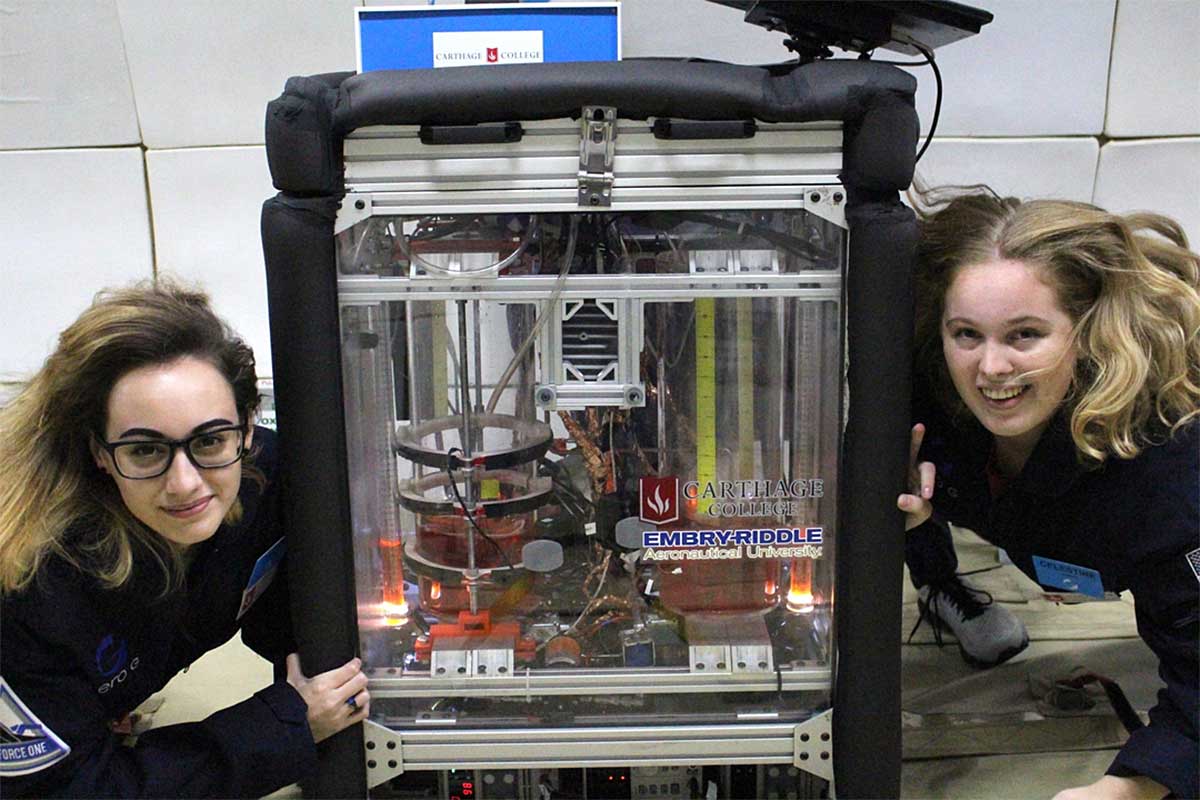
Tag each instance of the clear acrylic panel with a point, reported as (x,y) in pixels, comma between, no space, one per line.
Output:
(593,463)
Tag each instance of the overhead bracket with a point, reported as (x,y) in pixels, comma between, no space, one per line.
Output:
(598,135)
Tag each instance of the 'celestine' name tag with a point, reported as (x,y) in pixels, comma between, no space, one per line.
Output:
(1069,577)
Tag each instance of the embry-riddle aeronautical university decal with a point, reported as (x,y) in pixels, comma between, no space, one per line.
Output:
(659,500)
(26,745)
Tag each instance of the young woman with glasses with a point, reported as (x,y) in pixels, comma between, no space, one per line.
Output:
(139,530)
(1058,364)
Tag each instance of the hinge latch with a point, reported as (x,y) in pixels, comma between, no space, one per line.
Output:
(598,135)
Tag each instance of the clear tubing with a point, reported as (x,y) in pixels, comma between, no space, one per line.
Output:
(568,256)
(402,243)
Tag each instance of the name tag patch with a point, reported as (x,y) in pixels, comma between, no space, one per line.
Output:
(1069,577)
(264,572)
(26,745)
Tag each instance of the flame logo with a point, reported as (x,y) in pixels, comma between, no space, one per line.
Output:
(661,506)
(659,497)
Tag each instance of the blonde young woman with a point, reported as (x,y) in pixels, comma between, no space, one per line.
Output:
(1057,402)
(135,535)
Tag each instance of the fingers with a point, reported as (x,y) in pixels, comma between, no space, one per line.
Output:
(336,699)
(926,472)
(914,447)
(295,676)
(359,704)
(339,675)
(351,689)
(916,510)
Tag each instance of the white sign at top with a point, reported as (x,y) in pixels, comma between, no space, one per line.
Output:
(466,48)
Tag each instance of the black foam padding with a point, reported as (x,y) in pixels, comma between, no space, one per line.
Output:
(298,245)
(306,123)
(870,541)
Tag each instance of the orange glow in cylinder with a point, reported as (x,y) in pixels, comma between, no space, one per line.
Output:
(395,607)
(800,596)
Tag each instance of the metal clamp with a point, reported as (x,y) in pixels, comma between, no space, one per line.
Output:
(598,135)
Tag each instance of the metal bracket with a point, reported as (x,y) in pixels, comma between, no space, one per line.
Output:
(826,202)
(598,135)
(383,752)
(812,745)
(351,211)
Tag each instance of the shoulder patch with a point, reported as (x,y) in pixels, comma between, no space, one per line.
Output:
(26,745)
(1193,559)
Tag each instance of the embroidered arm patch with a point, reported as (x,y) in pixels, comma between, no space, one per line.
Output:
(26,745)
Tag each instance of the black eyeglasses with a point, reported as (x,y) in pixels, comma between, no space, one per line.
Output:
(148,458)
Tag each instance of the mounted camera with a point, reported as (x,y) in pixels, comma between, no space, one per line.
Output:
(907,26)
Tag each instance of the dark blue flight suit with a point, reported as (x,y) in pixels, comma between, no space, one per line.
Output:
(1135,521)
(77,656)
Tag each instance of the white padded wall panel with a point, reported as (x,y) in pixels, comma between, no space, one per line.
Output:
(207,203)
(72,222)
(700,29)
(1153,175)
(63,78)
(203,72)
(1154,89)
(1038,69)
(1027,168)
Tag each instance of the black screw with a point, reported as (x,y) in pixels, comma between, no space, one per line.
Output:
(360,204)
(371,765)
(824,737)
(370,745)
(391,745)
(838,197)
(392,764)
(814,197)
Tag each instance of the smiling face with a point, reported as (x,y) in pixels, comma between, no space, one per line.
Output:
(174,401)
(1010,351)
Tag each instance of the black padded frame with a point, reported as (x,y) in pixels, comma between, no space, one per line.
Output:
(305,128)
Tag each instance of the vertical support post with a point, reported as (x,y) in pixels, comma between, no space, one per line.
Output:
(298,245)
(879,149)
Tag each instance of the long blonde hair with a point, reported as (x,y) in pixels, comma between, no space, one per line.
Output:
(50,487)
(1129,283)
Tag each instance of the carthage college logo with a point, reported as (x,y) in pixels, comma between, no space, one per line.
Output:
(493,55)
(659,500)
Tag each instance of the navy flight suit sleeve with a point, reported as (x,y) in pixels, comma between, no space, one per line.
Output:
(1165,544)
(247,750)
